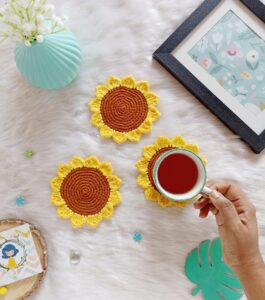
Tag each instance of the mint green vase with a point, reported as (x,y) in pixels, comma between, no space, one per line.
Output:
(52,64)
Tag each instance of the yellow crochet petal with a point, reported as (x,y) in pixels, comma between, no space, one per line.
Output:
(77,162)
(91,162)
(143,87)
(134,136)
(192,147)
(64,212)
(113,82)
(115,197)
(101,91)
(107,211)
(56,199)
(114,182)
(78,221)
(203,160)
(162,142)
(143,181)
(105,168)
(64,170)
(164,202)
(146,126)
(153,113)
(149,151)
(152,99)
(142,165)
(96,119)
(152,194)
(119,137)
(180,204)
(56,183)
(178,141)
(94,105)
(105,131)
(94,220)
(128,81)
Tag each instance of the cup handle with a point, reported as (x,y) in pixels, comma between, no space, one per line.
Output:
(207,191)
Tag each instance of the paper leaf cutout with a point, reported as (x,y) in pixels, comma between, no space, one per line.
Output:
(205,267)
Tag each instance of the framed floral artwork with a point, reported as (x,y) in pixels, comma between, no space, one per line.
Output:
(218,53)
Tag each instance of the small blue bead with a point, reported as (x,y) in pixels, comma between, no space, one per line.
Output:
(20,200)
(137,236)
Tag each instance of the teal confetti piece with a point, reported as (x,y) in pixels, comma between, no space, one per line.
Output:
(20,201)
(137,236)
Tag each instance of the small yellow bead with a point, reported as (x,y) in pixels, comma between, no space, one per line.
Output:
(3,290)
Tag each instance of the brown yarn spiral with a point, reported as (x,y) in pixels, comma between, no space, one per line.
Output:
(153,161)
(124,109)
(85,191)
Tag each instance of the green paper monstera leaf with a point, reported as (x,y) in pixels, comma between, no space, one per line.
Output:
(205,267)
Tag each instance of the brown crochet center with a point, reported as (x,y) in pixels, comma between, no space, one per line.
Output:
(152,162)
(85,191)
(124,109)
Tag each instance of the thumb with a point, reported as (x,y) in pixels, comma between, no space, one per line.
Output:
(227,214)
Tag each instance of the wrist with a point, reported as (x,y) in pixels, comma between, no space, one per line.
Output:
(252,268)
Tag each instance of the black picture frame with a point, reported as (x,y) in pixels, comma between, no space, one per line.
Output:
(195,86)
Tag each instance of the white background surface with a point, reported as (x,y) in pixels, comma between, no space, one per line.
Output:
(117,38)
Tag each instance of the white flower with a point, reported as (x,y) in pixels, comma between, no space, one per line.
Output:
(15,19)
(217,37)
(49,9)
(241,90)
(55,18)
(40,38)
(40,18)
(252,56)
(29,27)
(27,43)
(2,11)
(43,29)
(28,20)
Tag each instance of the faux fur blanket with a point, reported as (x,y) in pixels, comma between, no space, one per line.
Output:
(118,38)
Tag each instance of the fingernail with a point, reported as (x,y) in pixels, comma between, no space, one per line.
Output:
(200,199)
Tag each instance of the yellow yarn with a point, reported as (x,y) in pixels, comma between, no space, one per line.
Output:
(142,166)
(121,136)
(65,212)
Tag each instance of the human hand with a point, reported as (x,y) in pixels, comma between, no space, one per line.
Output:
(237,224)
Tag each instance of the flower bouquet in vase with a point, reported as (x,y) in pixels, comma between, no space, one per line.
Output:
(47,53)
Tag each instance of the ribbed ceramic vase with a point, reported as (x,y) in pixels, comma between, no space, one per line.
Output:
(52,64)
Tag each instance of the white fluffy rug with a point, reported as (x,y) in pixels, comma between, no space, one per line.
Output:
(118,38)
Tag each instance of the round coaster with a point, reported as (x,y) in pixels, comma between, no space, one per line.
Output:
(124,109)
(146,164)
(24,288)
(85,191)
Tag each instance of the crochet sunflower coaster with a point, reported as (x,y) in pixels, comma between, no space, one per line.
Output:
(146,164)
(124,109)
(85,191)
